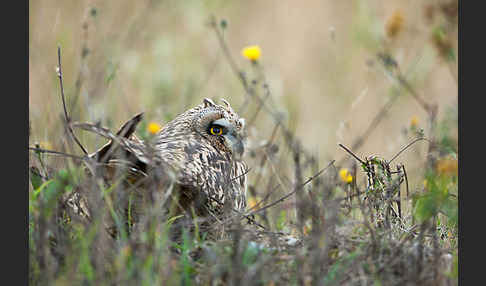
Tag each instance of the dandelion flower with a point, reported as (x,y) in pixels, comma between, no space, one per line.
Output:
(251,52)
(414,121)
(394,24)
(345,175)
(153,127)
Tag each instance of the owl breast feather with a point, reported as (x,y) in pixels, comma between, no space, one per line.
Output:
(204,168)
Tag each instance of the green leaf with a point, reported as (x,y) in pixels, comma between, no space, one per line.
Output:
(41,187)
(436,198)
(35,178)
(172,219)
(425,208)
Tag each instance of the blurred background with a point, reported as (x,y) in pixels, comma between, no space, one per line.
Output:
(319,59)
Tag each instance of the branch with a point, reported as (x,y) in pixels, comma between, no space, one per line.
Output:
(297,188)
(406,147)
(227,53)
(352,154)
(68,119)
(41,150)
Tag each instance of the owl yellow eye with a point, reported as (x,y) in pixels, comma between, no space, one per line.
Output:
(216,130)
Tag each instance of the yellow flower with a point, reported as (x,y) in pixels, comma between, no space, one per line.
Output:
(345,175)
(394,24)
(153,127)
(251,52)
(414,121)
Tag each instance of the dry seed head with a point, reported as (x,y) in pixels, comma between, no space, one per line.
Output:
(394,24)
(447,166)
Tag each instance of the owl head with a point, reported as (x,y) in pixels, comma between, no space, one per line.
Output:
(219,125)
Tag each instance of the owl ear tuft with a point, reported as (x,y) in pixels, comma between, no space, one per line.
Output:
(208,102)
(226,103)
(228,106)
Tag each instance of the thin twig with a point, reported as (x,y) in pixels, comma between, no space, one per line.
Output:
(227,53)
(247,216)
(351,153)
(68,119)
(41,150)
(297,188)
(259,108)
(380,115)
(401,79)
(406,178)
(265,154)
(85,51)
(406,147)
(399,201)
(250,214)
(265,198)
(241,175)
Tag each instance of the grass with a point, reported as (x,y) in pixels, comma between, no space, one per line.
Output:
(393,223)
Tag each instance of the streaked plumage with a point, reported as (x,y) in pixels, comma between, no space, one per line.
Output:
(204,162)
(196,157)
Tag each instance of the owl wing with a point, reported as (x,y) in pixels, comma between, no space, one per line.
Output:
(241,177)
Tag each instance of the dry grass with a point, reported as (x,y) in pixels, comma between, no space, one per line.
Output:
(372,77)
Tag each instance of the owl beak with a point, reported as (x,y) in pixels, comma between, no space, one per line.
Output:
(235,144)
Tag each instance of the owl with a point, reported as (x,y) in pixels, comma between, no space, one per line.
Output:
(204,145)
(196,158)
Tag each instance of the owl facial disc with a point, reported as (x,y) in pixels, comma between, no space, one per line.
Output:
(232,140)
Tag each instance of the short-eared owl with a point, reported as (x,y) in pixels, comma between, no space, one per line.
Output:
(200,150)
